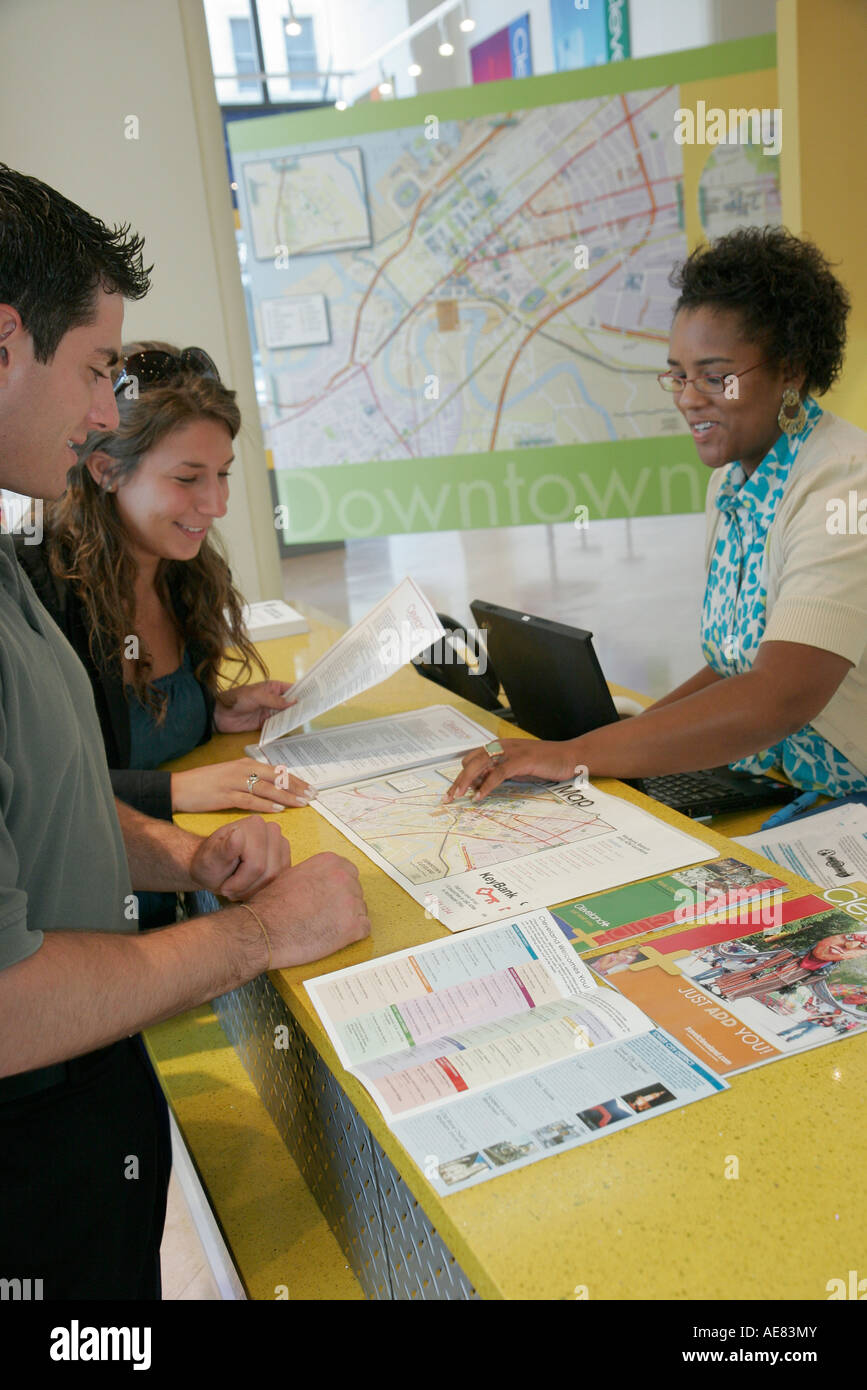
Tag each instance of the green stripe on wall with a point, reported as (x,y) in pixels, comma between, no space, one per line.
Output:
(627,478)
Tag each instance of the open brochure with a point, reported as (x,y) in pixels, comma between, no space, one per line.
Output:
(527,845)
(396,629)
(741,995)
(492,1051)
(376,747)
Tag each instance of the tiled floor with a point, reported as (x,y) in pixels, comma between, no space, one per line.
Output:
(637,585)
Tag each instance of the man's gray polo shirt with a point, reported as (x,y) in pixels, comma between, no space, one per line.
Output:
(63,865)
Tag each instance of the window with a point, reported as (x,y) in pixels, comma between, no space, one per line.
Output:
(244,49)
(301,54)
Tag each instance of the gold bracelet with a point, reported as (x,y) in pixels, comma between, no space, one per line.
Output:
(264,933)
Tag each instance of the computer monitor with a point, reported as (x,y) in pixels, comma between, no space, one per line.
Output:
(549,671)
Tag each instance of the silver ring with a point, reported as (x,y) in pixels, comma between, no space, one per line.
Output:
(252,779)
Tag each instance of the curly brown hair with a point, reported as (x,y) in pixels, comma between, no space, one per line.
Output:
(87,545)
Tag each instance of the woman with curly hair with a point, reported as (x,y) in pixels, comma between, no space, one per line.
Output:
(758,333)
(134,576)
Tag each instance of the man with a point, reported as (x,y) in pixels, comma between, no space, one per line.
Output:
(83,1137)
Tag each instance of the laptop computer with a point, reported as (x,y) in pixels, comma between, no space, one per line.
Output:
(556,690)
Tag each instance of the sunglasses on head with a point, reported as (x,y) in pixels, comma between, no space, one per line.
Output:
(153,365)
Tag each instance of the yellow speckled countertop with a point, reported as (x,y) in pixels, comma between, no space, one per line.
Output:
(646,1212)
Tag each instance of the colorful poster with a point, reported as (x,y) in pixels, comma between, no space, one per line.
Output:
(585,35)
(738,1000)
(504,54)
(702,892)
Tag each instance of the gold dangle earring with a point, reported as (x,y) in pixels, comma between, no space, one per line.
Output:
(791,424)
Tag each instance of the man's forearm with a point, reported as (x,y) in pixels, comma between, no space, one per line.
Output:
(158,852)
(83,990)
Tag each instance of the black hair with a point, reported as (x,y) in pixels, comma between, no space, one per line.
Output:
(54,257)
(783,288)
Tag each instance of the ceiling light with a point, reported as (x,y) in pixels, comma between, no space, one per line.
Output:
(467,26)
(446,49)
(385,89)
(340,105)
(414,70)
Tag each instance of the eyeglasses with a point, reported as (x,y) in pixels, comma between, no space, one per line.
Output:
(707,385)
(153,365)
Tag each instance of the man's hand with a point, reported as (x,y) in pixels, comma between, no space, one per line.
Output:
(312,910)
(241,858)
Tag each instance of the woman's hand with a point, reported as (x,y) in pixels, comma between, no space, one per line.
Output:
(248,706)
(221,786)
(522,757)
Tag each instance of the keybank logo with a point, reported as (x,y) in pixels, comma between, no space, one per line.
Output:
(77,1343)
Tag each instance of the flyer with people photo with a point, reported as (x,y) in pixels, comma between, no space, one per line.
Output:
(739,1000)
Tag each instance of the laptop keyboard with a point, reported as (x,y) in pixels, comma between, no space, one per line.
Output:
(683,788)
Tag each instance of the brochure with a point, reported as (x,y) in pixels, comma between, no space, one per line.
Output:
(795,979)
(491,1052)
(330,757)
(828,847)
(663,902)
(525,846)
(395,630)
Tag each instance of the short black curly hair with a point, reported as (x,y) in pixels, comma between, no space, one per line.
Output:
(784,290)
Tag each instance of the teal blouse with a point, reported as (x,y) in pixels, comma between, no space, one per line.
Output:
(150,746)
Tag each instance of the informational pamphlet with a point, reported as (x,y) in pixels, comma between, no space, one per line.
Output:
(330,757)
(794,979)
(828,848)
(394,631)
(527,845)
(703,891)
(272,618)
(492,1051)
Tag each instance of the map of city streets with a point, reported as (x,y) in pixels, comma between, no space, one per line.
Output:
(402,818)
(471,321)
(459,301)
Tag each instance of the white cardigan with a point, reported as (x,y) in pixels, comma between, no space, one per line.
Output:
(816,579)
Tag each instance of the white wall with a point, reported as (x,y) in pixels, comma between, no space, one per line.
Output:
(72,75)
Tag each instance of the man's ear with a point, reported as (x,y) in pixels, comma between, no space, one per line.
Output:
(11,328)
(97,464)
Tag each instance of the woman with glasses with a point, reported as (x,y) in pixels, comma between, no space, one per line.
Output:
(758,333)
(135,577)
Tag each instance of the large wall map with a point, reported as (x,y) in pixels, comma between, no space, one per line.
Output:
(460,320)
